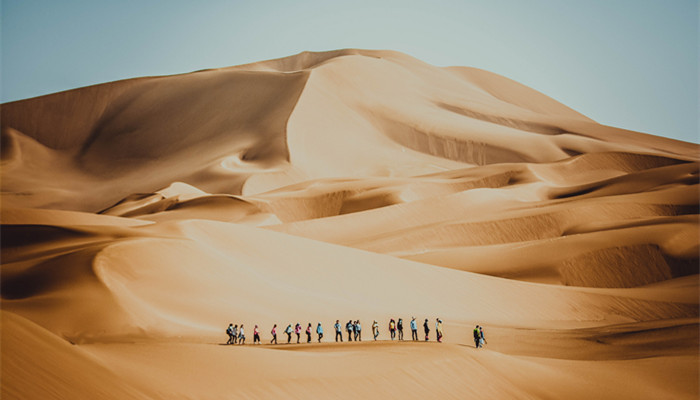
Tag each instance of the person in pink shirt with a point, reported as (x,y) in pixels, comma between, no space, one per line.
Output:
(274,334)
(297,330)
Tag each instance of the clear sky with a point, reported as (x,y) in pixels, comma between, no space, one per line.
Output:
(627,63)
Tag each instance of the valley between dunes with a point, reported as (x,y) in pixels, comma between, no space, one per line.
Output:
(141,217)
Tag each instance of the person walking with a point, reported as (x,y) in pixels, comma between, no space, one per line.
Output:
(319,332)
(414,329)
(354,330)
(308,333)
(274,334)
(297,330)
(241,335)
(358,331)
(229,332)
(338,331)
(392,328)
(288,331)
(477,337)
(399,327)
(348,327)
(235,334)
(438,329)
(482,339)
(375,329)
(256,335)
(426,328)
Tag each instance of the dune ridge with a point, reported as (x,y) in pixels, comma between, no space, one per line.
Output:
(140,217)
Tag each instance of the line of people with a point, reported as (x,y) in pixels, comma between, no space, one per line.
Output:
(236,334)
(396,328)
(354,329)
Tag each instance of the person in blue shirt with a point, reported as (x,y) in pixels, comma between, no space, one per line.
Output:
(319,332)
(338,331)
(289,331)
(229,332)
(414,329)
(358,331)
(350,328)
(241,335)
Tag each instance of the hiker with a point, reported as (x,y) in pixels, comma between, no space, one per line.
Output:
(256,335)
(477,337)
(414,329)
(354,330)
(235,333)
(375,329)
(392,328)
(358,331)
(399,327)
(241,335)
(274,334)
(426,328)
(288,331)
(297,330)
(229,332)
(348,327)
(319,332)
(482,339)
(308,333)
(438,329)
(338,332)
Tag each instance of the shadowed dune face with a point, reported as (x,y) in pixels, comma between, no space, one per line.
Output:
(140,217)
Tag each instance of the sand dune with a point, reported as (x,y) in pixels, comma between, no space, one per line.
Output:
(140,217)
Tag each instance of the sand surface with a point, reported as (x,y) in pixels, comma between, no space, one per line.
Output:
(141,217)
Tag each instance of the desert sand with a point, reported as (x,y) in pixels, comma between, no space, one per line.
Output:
(141,217)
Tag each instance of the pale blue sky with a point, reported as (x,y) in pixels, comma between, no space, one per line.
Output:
(627,63)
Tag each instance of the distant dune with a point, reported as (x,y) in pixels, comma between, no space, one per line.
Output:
(140,217)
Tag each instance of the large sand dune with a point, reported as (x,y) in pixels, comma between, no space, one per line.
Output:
(140,217)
